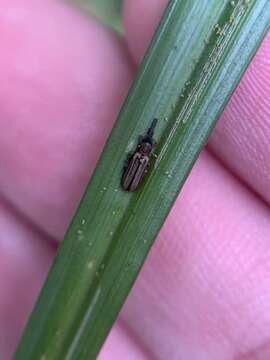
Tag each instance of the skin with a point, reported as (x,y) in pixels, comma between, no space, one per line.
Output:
(204,292)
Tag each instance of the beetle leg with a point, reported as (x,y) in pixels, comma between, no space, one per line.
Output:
(129,156)
(126,162)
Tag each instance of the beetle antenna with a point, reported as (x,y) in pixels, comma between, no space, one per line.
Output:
(150,131)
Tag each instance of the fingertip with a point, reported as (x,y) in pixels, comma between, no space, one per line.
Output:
(141,18)
(62,86)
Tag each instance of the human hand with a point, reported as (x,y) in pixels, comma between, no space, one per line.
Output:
(204,292)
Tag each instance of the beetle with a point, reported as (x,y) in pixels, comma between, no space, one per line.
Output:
(138,163)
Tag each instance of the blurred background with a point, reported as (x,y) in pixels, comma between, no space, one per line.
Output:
(107,11)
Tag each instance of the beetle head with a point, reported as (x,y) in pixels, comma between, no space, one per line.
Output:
(146,148)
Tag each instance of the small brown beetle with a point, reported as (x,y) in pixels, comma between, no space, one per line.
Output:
(139,161)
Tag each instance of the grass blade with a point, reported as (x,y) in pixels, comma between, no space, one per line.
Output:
(196,60)
(107,11)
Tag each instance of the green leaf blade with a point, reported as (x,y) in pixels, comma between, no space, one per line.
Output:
(196,60)
(106,11)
